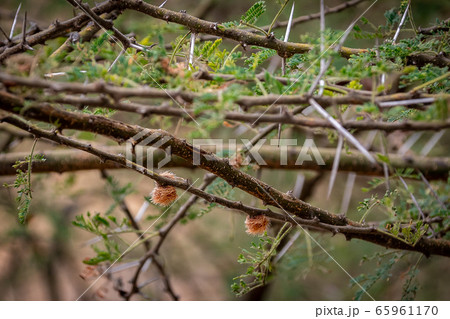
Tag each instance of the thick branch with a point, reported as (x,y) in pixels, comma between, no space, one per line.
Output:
(301,19)
(117,93)
(72,160)
(284,49)
(58,29)
(122,132)
(443,26)
(348,228)
(196,25)
(288,118)
(253,118)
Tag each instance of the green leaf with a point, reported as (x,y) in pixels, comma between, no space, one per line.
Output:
(255,11)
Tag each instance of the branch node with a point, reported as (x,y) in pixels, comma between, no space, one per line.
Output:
(342,217)
(56,23)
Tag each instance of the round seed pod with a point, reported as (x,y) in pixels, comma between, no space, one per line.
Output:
(256,225)
(164,195)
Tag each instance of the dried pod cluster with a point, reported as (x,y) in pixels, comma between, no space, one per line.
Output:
(164,195)
(256,225)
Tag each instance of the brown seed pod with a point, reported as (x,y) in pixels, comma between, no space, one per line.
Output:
(256,225)
(164,195)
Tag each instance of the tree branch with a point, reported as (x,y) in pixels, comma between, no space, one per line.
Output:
(117,93)
(58,29)
(61,161)
(303,213)
(253,118)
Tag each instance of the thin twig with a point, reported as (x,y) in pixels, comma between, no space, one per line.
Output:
(276,16)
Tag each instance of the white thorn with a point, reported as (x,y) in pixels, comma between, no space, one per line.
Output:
(409,143)
(289,25)
(425,100)
(335,168)
(394,39)
(322,41)
(342,130)
(14,22)
(287,246)
(116,59)
(191,51)
(299,185)
(348,192)
(141,211)
(431,143)
(162,4)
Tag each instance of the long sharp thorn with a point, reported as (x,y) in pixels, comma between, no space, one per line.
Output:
(148,282)
(15,20)
(24,34)
(352,176)
(402,21)
(123,267)
(322,25)
(283,61)
(116,59)
(289,25)
(162,4)
(142,210)
(348,192)
(299,185)
(322,44)
(431,143)
(412,197)
(385,166)
(324,67)
(191,51)
(286,38)
(334,170)
(409,143)
(342,130)
(425,100)
(287,246)
(147,264)
(369,139)
(432,190)
(394,39)
(279,130)
(336,49)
